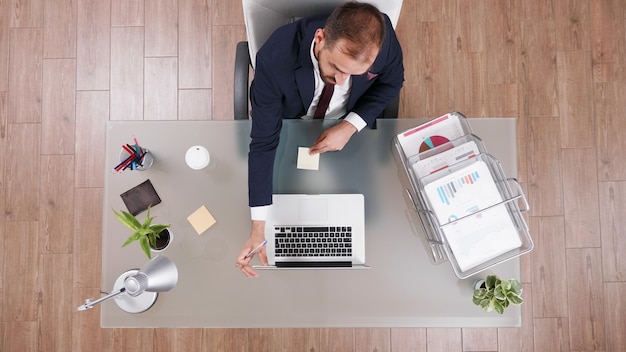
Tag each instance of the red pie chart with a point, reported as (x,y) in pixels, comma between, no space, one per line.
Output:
(432,142)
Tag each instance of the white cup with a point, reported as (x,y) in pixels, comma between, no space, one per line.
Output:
(197,157)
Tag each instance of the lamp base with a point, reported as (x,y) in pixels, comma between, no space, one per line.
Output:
(130,304)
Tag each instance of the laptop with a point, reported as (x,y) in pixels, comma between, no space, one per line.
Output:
(321,231)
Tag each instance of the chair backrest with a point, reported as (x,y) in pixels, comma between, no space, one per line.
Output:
(262,17)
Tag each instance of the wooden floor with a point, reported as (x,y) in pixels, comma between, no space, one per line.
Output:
(66,66)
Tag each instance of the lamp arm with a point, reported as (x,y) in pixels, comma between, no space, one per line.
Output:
(89,303)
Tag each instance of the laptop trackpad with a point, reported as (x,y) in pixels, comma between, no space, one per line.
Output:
(315,209)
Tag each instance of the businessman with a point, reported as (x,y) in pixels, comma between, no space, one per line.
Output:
(346,65)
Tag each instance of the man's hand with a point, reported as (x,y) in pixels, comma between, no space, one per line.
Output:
(334,138)
(257,236)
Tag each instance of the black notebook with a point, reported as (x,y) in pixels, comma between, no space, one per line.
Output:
(140,197)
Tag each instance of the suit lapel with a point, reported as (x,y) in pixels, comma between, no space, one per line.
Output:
(304,74)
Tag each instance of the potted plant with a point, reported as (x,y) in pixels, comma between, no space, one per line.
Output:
(496,294)
(149,235)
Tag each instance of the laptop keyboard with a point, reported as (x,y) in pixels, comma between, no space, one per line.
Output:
(313,241)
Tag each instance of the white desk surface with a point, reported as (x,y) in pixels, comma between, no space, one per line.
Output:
(403,288)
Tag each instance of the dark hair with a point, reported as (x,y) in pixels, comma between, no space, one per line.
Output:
(360,24)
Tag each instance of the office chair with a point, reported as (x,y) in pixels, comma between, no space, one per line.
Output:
(262,17)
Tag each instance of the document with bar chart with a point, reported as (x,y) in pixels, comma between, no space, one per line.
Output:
(484,235)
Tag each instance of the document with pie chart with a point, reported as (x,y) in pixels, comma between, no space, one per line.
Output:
(430,135)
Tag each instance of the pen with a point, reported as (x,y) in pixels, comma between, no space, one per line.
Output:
(252,252)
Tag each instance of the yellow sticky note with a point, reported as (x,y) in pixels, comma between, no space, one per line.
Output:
(306,161)
(201,219)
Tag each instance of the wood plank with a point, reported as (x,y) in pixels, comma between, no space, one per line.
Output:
(372,339)
(177,340)
(225,340)
(129,340)
(265,340)
(55,329)
(301,339)
(408,340)
(549,267)
(60,29)
(430,93)
(162,28)
(475,339)
(25,78)
(538,65)
(227,13)
(4,46)
(503,39)
(537,9)
(22,172)
(160,89)
(551,334)
(444,340)
(470,34)
(127,73)
(92,111)
(615,306)
(87,237)
(470,83)
(336,339)
(86,332)
(575,84)
(543,156)
(434,11)
(612,223)
(586,299)
(580,198)
(224,66)
(194,51)
(608,46)
(195,104)
(127,12)
(519,339)
(501,100)
(58,116)
(572,20)
(21,264)
(610,107)
(93,44)
(21,336)
(57,204)
(26,13)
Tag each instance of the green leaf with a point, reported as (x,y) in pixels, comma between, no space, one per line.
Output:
(145,246)
(506,285)
(497,293)
(514,298)
(498,307)
(490,281)
(516,287)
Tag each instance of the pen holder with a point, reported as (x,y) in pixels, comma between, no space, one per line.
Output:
(134,157)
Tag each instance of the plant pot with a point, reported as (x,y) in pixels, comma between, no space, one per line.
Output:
(163,241)
(480,283)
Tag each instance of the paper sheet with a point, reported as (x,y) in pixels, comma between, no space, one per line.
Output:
(306,161)
(201,219)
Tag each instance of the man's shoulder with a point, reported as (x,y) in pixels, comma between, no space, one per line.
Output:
(285,43)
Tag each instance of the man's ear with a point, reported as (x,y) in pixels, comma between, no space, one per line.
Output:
(320,35)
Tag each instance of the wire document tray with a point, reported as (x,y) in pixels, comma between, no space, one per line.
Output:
(470,212)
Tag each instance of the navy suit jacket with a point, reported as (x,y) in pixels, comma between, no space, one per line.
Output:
(284,85)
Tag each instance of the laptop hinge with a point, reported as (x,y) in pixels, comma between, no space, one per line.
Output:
(334,264)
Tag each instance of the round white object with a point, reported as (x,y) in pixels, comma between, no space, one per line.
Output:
(197,157)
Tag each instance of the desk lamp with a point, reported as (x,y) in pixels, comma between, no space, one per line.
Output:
(135,291)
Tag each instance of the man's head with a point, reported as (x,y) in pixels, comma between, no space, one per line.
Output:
(349,42)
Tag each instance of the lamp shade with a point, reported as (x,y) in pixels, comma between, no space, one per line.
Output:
(158,275)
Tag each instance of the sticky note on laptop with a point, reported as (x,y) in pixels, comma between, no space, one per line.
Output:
(201,219)
(306,161)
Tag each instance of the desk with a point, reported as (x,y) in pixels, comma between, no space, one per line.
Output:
(403,288)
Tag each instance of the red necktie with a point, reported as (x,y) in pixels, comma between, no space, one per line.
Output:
(322,105)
